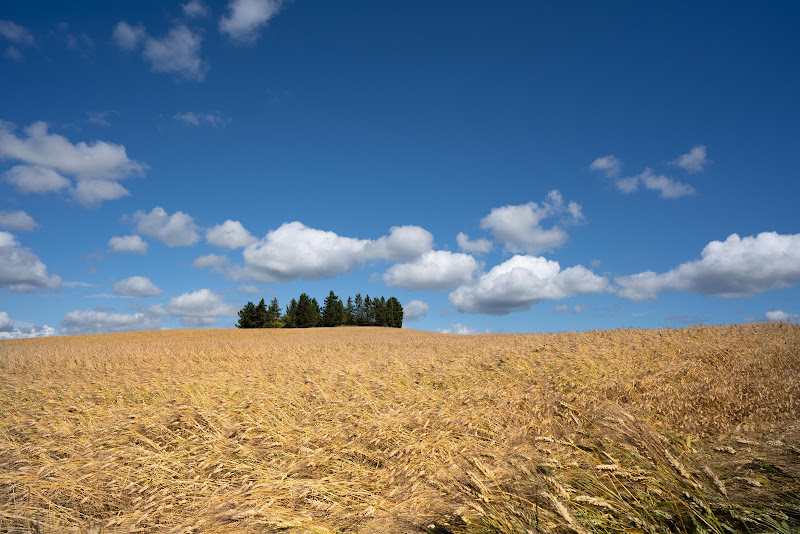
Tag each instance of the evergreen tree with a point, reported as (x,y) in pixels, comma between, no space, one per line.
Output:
(379,311)
(262,318)
(360,316)
(274,314)
(248,316)
(369,318)
(341,313)
(330,310)
(394,313)
(350,312)
(290,319)
(307,312)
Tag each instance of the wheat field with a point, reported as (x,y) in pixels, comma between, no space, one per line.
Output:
(400,431)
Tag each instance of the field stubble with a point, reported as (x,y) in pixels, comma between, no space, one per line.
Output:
(392,431)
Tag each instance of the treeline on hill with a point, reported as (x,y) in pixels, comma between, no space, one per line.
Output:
(305,312)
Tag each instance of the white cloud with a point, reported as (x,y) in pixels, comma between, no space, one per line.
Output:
(297,251)
(248,289)
(195,8)
(230,234)
(16,34)
(561,308)
(402,244)
(6,324)
(198,308)
(735,268)
(523,281)
(95,321)
(519,227)
(195,118)
(667,187)
(245,18)
(436,269)
(96,167)
(608,165)
(136,286)
(36,179)
(694,161)
(415,310)
(21,270)
(780,315)
(173,230)
(128,37)
(128,243)
(17,220)
(178,52)
(10,329)
(479,246)
(459,329)
(215,262)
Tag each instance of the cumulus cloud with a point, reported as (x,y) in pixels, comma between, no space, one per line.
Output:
(523,281)
(245,18)
(17,220)
(21,270)
(734,268)
(197,308)
(519,227)
(608,165)
(127,243)
(694,161)
(230,234)
(136,286)
(215,262)
(96,167)
(173,230)
(415,310)
(297,251)
(780,315)
(196,118)
(29,179)
(459,329)
(99,321)
(177,52)
(479,246)
(10,329)
(436,269)
(195,8)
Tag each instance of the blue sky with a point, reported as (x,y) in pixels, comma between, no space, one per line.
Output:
(518,167)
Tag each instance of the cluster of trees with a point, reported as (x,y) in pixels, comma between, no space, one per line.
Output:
(305,312)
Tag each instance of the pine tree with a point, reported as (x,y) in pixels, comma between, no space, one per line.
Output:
(290,319)
(330,310)
(274,314)
(307,312)
(262,318)
(248,316)
(360,316)
(350,312)
(394,313)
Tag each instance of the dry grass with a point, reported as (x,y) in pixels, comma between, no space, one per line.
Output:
(391,431)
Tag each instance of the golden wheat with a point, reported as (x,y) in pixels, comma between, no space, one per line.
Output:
(386,430)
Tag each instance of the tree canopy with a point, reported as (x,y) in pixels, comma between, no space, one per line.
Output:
(305,312)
